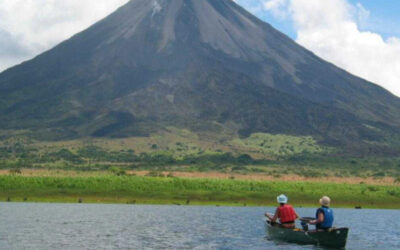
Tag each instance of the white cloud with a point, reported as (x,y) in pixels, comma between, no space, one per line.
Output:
(363,14)
(330,29)
(277,7)
(29,27)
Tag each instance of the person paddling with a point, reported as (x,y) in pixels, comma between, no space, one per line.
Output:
(286,213)
(324,215)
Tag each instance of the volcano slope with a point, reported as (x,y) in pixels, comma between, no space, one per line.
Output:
(203,65)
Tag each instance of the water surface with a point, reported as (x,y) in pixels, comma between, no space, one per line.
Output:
(82,226)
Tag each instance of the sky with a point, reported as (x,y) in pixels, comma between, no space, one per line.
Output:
(360,36)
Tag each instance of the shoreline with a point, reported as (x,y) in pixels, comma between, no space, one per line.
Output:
(109,189)
(110,201)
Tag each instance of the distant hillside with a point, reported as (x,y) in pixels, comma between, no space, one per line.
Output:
(203,65)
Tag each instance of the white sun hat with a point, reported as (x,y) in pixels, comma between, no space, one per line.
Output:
(325,201)
(282,199)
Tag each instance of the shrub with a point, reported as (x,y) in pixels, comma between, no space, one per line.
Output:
(117,171)
(239,168)
(15,171)
(65,154)
(379,174)
(311,173)
(245,159)
(155,174)
(372,189)
(393,193)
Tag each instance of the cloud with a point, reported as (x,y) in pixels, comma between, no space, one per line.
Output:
(363,14)
(277,7)
(29,27)
(10,45)
(330,29)
(11,50)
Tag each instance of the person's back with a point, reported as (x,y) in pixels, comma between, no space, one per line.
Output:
(328,217)
(285,213)
(324,216)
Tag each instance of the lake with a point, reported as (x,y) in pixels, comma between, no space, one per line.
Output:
(86,226)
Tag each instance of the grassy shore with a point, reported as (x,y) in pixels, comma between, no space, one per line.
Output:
(185,191)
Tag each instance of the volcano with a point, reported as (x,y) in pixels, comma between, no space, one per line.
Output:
(203,65)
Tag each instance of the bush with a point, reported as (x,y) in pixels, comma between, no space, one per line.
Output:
(155,174)
(379,174)
(373,189)
(393,193)
(311,174)
(239,168)
(157,158)
(15,171)
(65,154)
(117,171)
(244,159)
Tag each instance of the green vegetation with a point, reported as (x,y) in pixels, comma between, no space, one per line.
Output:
(280,145)
(122,189)
(179,150)
(300,156)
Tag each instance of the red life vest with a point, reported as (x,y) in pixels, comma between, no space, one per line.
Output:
(286,213)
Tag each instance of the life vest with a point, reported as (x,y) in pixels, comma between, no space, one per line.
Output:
(286,213)
(328,217)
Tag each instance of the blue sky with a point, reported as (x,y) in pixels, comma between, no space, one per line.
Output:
(384,17)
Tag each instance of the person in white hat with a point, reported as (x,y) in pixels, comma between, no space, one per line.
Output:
(324,216)
(286,213)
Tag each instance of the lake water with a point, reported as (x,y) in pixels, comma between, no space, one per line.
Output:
(82,226)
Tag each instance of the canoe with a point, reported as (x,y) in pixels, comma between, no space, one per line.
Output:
(333,238)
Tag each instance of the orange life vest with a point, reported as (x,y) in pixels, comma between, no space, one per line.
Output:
(286,213)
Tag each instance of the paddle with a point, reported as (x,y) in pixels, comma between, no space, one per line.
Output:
(305,221)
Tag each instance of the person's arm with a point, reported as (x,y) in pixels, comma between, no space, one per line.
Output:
(297,215)
(273,218)
(276,216)
(320,219)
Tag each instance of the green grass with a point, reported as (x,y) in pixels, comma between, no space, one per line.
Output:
(133,189)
